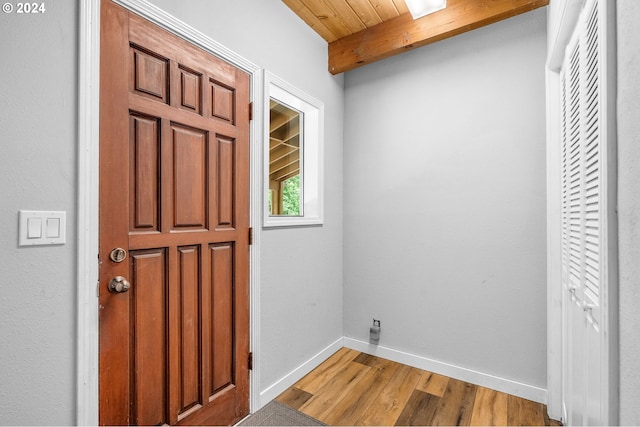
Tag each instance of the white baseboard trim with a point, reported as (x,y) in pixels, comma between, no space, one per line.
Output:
(504,385)
(294,376)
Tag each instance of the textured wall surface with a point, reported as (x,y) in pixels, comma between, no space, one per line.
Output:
(445,200)
(628,15)
(38,167)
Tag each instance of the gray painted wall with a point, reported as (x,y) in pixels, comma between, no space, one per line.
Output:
(628,15)
(38,169)
(301,298)
(445,200)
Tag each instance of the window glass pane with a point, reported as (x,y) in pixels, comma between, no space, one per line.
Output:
(285,167)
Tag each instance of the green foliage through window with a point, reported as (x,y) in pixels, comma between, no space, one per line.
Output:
(291,197)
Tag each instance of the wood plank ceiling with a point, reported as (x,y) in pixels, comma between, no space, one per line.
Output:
(360,32)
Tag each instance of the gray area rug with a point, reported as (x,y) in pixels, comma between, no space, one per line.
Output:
(277,414)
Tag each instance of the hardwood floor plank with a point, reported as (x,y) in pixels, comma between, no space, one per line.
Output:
(419,410)
(387,407)
(368,359)
(327,370)
(336,389)
(522,412)
(294,397)
(456,405)
(353,406)
(433,383)
(353,388)
(490,408)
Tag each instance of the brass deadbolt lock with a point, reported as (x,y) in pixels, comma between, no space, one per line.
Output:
(118,255)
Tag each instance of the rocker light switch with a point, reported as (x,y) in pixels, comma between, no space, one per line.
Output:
(34,228)
(53,228)
(42,228)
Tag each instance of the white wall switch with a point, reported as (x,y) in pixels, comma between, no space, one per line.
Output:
(42,228)
(53,228)
(34,228)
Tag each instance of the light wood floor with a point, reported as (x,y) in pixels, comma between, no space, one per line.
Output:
(353,388)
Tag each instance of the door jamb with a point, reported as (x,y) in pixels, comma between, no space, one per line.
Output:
(88,174)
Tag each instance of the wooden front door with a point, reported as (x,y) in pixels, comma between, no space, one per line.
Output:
(174,197)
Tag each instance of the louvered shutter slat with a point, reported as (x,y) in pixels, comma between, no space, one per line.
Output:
(581,162)
(565,181)
(592,196)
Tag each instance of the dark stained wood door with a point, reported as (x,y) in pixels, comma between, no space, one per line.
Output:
(174,194)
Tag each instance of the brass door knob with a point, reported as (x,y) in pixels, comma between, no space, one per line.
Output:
(119,285)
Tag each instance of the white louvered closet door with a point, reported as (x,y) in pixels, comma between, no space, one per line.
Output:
(584,215)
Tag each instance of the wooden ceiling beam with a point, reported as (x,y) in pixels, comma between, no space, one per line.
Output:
(402,33)
(280,152)
(292,159)
(286,173)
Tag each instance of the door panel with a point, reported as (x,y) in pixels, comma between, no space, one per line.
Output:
(190,310)
(576,363)
(586,241)
(225,182)
(594,404)
(190,171)
(148,300)
(143,173)
(222,322)
(174,193)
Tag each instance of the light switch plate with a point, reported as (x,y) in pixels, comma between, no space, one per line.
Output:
(42,228)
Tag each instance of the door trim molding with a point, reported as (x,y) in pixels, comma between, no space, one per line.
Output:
(87,267)
(88,186)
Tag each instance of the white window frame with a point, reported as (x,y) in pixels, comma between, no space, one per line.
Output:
(311,152)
